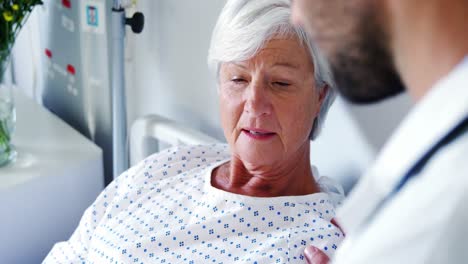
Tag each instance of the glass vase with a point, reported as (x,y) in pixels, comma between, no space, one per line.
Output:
(7,114)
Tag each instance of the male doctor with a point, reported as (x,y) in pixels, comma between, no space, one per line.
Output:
(412,205)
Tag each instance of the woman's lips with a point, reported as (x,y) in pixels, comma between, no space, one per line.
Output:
(258,134)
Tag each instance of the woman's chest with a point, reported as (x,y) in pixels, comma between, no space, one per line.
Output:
(196,228)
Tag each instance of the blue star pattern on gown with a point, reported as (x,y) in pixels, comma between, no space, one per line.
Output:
(164,210)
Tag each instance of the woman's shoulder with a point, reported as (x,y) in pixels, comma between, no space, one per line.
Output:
(333,188)
(187,152)
(180,159)
(329,186)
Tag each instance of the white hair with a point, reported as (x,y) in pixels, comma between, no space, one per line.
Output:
(243,28)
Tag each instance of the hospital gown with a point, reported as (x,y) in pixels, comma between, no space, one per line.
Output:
(164,210)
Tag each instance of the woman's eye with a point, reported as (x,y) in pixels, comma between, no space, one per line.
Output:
(238,80)
(282,84)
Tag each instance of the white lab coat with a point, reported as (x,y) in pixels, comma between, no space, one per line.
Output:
(427,220)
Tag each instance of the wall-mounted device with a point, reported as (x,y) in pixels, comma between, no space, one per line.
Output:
(81,39)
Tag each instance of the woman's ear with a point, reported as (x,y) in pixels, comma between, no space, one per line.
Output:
(323,93)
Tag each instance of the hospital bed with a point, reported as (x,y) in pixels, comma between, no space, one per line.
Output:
(152,133)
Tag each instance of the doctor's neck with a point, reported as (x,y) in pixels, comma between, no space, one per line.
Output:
(429,38)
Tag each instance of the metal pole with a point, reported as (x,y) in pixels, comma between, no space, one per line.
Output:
(119,109)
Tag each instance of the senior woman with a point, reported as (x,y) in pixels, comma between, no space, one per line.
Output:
(253,201)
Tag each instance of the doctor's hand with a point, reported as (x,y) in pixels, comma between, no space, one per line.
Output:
(315,256)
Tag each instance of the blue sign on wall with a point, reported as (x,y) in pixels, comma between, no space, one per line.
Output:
(92,15)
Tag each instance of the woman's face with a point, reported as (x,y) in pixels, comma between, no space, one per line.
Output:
(268,103)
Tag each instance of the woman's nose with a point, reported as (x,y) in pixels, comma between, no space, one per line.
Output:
(257,100)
